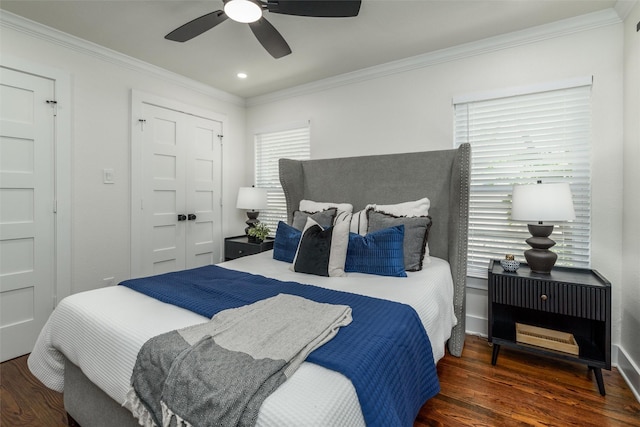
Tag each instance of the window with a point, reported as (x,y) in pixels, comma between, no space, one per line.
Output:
(518,140)
(292,143)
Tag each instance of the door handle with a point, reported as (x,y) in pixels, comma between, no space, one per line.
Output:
(182,217)
(191,217)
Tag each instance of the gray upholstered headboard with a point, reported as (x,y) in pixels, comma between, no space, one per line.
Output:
(442,176)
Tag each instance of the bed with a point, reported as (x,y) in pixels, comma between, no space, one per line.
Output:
(92,360)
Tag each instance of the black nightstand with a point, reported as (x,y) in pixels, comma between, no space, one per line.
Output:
(239,246)
(574,301)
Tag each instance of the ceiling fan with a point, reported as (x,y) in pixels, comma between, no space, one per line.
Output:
(250,12)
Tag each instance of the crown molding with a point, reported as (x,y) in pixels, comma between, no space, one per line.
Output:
(43,32)
(553,30)
(492,44)
(624,7)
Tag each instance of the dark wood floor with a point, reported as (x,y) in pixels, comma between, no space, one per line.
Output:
(521,390)
(524,390)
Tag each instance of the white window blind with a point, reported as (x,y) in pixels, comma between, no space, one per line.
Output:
(269,148)
(519,140)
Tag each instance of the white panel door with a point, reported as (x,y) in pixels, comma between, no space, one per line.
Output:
(204,230)
(164,175)
(181,161)
(27,222)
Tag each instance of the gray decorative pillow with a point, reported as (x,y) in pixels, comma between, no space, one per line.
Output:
(416,232)
(323,218)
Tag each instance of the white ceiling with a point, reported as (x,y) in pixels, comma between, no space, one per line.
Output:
(384,31)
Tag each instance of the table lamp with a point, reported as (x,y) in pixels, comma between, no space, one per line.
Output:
(252,199)
(538,203)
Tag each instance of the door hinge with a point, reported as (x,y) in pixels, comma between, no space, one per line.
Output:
(55,206)
(142,123)
(53,104)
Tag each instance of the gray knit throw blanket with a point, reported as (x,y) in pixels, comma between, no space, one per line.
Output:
(218,373)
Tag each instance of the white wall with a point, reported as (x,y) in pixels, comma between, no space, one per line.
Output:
(412,111)
(630,284)
(100,130)
(396,112)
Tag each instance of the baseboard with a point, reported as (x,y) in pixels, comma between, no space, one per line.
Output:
(629,371)
(476,326)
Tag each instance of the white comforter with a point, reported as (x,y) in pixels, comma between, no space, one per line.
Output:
(102,330)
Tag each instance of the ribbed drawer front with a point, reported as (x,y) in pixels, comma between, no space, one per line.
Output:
(563,298)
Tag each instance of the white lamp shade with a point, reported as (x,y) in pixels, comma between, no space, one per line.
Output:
(542,202)
(243,10)
(252,198)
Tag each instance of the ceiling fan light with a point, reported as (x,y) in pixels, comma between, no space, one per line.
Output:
(243,10)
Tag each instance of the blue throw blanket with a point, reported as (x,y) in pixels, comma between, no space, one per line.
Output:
(385,352)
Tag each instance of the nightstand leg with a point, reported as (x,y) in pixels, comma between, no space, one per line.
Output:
(494,356)
(599,380)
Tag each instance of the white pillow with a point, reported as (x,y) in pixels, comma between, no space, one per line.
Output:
(313,207)
(408,209)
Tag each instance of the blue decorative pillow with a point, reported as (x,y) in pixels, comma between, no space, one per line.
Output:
(286,242)
(379,252)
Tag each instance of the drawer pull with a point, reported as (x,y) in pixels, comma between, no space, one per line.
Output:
(240,251)
(543,297)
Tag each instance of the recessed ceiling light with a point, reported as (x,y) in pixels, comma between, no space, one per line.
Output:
(242,75)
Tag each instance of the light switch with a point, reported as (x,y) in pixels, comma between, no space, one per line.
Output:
(107,176)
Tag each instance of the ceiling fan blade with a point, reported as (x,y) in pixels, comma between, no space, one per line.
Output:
(316,8)
(196,27)
(270,38)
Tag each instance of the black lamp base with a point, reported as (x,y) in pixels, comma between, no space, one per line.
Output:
(539,257)
(252,221)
